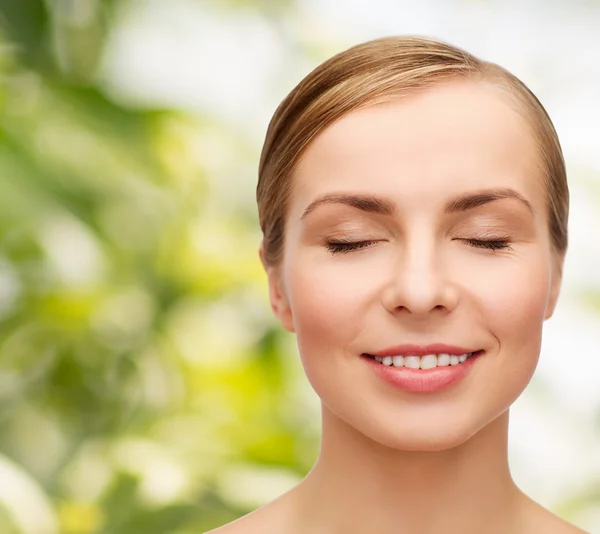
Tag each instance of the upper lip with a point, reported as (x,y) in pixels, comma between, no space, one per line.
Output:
(422,350)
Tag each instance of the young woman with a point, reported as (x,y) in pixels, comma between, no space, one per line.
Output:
(414,204)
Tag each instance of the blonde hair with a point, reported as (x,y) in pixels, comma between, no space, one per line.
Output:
(379,71)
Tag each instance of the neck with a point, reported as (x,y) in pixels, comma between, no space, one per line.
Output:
(358,485)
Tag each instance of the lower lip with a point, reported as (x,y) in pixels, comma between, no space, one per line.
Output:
(423,380)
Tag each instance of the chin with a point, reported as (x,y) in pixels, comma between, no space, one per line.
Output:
(422,430)
(430,438)
(424,441)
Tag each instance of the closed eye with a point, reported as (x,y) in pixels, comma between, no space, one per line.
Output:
(490,244)
(343,246)
(335,247)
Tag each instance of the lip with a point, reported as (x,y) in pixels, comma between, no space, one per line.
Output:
(423,380)
(422,350)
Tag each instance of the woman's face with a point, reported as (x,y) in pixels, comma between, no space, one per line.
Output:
(391,178)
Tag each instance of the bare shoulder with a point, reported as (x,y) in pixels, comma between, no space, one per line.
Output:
(556,525)
(253,523)
(272,518)
(543,520)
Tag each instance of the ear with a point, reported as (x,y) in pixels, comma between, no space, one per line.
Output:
(557,270)
(277,294)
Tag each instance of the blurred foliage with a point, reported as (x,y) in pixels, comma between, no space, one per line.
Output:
(144,385)
(135,333)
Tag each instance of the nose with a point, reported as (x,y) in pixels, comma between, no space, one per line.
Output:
(420,283)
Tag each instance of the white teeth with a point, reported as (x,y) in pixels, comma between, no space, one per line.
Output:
(412,362)
(398,361)
(429,361)
(423,362)
(443,360)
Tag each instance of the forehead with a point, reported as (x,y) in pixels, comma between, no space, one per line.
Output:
(423,148)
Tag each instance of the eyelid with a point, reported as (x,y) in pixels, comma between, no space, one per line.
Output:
(340,246)
(489,232)
(490,244)
(491,229)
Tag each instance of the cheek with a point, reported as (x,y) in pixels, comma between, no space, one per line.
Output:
(512,307)
(327,305)
(514,299)
(330,306)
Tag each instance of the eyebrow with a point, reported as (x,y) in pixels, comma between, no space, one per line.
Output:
(382,206)
(474,200)
(368,203)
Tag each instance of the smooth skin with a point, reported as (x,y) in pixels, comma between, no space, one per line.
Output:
(393,461)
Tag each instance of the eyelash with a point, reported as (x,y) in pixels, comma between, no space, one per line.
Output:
(336,247)
(492,244)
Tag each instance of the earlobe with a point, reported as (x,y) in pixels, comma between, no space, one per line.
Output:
(555,288)
(279,302)
(277,295)
(551,304)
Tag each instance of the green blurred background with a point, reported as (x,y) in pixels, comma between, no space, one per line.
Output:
(144,384)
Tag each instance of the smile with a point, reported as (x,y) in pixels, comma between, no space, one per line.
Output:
(429,361)
(423,374)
